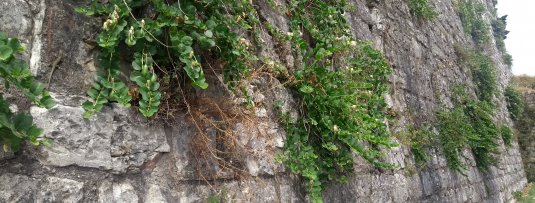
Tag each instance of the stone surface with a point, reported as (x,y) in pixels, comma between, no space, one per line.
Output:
(117,156)
(113,139)
(526,137)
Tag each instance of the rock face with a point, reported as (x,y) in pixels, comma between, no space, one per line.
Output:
(526,135)
(117,156)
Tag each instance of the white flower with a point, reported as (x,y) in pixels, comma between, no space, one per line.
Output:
(353,43)
(131,32)
(335,128)
(290,34)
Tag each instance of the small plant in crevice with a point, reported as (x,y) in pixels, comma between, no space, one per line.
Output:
(418,140)
(483,72)
(507,135)
(471,13)
(485,143)
(422,9)
(18,127)
(515,103)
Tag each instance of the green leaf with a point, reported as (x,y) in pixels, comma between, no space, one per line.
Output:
(5,52)
(22,122)
(35,132)
(306,89)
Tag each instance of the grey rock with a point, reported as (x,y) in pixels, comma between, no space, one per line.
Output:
(111,140)
(124,193)
(116,156)
(17,188)
(56,189)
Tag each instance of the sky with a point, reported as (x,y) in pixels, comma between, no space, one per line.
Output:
(520,41)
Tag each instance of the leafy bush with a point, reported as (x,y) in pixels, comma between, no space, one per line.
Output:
(15,128)
(417,139)
(342,104)
(515,103)
(454,131)
(421,8)
(340,82)
(471,14)
(500,34)
(483,72)
(507,135)
(485,142)
(468,124)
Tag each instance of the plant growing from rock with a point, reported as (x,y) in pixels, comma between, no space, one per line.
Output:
(176,37)
(515,104)
(340,86)
(422,9)
(18,127)
(471,14)
(468,124)
(340,82)
(507,135)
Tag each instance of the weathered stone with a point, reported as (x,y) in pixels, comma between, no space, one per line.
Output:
(17,188)
(109,140)
(56,189)
(124,193)
(89,157)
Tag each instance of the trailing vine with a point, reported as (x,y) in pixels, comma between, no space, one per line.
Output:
(173,37)
(18,127)
(341,84)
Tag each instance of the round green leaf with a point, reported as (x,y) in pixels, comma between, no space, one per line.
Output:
(5,52)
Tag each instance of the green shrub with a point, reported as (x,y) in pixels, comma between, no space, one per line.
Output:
(500,34)
(483,72)
(421,8)
(485,142)
(507,135)
(342,104)
(468,124)
(515,103)
(454,131)
(418,140)
(471,14)
(15,128)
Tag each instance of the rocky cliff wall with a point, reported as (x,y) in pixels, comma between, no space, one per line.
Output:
(527,134)
(117,156)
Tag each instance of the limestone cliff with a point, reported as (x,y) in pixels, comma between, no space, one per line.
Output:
(118,156)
